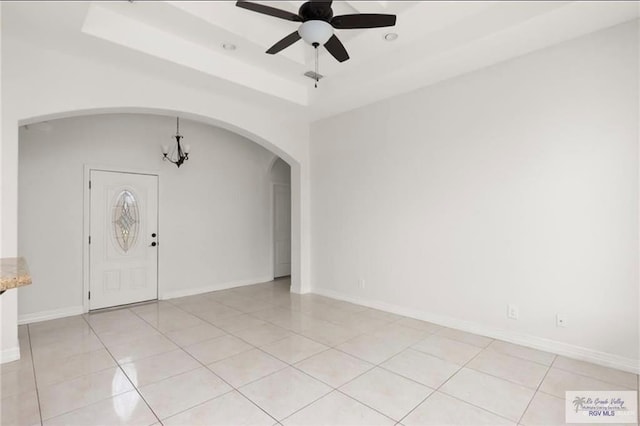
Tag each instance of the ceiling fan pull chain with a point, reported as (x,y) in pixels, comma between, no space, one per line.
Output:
(317,69)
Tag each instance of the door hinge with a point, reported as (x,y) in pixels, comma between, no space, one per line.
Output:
(89,295)
(89,239)
(89,184)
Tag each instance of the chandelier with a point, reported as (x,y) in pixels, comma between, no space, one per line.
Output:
(179,154)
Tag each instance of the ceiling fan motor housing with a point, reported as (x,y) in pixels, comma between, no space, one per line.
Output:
(316,11)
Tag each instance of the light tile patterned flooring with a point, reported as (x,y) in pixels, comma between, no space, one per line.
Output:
(260,355)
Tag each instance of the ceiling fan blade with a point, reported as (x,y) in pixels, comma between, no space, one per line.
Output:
(336,48)
(363,20)
(284,43)
(268,10)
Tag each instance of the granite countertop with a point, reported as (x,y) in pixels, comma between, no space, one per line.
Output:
(13,273)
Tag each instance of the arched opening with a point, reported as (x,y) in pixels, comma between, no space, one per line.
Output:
(167,173)
(269,145)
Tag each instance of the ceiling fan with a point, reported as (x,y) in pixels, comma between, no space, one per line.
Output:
(318,24)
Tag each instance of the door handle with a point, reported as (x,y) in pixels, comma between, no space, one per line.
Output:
(153,244)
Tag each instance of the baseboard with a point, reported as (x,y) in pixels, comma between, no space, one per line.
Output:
(79,310)
(571,351)
(212,287)
(10,354)
(49,315)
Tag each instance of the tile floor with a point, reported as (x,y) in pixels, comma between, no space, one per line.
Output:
(260,355)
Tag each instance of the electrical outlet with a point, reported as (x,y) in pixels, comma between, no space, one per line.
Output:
(512,312)
(361,283)
(561,320)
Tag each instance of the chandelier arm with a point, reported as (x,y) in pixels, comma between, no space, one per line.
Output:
(180,151)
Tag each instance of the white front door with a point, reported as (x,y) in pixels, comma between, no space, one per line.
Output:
(123,251)
(282,230)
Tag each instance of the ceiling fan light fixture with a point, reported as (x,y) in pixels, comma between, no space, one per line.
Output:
(315,31)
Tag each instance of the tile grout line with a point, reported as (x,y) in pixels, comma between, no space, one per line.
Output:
(367,405)
(519,357)
(455,397)
(383,361)
(292,365)
(157,381)
(233,388)
(121,370)
(379,365)
(373,367)
(33,368)
(288,365)
(537,390)
(505,379)
(75,378)
(441,385)
(229,333)
(491,374)
(295,333)
(66,359)
(333,389)
(183,348)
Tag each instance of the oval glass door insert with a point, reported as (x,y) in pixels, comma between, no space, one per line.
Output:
(126,220)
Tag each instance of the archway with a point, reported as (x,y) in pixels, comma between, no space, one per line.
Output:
(269,145)
(9,206)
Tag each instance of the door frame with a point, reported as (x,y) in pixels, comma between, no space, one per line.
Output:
(86,221)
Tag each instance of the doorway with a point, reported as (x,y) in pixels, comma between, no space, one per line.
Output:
(281,203)
(123,238)
(281,230)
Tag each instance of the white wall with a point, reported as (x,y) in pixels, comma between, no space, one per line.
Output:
(215,211)
(513,184)
(9,348)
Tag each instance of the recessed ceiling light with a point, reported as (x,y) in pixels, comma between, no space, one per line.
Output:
(229,46)
(390,36)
